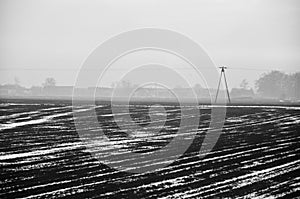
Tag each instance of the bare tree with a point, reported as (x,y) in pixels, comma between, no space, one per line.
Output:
(244,84)
(272,84)
(49,82)
(17,81)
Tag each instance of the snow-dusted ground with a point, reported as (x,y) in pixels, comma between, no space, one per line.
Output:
(41,155)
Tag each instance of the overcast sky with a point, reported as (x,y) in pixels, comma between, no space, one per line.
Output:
(51,38)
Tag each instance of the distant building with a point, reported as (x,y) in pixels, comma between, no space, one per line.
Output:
(12,90)
(59,91)
(102,92)
(36,91)
(241,93)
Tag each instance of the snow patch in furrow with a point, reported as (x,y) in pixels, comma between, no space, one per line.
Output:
(38,121)
(58,148)
(31,122)
(15,115)
(259,106)
(274,120)
(176,180)
(242,180)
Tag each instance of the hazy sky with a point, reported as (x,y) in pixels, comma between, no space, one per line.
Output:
(51,38)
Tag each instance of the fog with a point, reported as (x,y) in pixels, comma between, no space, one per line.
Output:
(52,38)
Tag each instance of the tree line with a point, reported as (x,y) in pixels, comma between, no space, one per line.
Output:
(276,84)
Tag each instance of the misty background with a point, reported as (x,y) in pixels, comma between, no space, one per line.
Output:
(52,38)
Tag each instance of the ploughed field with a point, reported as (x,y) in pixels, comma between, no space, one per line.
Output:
(42,155)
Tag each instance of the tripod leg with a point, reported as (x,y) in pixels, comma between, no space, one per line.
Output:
(218,87)
(226,87)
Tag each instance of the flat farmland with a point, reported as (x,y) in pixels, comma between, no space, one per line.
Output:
(42,155)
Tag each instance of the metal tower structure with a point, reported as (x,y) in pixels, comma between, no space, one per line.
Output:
(223,72)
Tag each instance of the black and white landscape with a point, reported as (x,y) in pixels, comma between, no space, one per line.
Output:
(149,99)
(257,156)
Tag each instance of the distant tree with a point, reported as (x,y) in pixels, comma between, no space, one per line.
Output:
(197,86)
(197,89)
(244,84)
(291,85)
(279,85)
(297,86)
(49,82)
(113,84)
(124,84)
(271,84)
(17,81)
